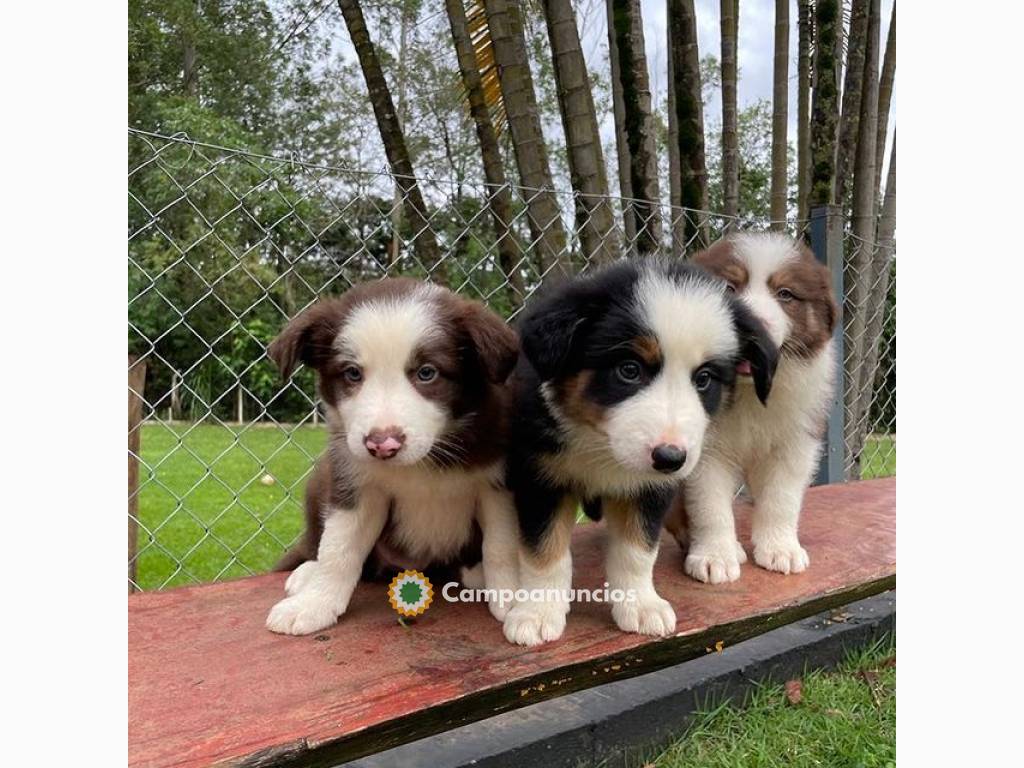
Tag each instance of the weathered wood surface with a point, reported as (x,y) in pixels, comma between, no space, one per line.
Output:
(209,685)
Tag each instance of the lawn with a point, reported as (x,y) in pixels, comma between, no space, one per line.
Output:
(202,503)
(845,717)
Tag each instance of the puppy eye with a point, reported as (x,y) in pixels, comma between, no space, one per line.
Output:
(730,288)
(702,380)
(352,374)
(784,294)
(426,374)
(629,371)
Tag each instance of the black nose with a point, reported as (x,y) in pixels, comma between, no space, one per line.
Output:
(667,457)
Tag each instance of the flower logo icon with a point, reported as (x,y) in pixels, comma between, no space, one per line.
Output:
(410,593)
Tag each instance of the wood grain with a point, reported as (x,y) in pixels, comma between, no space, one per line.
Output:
(209,685)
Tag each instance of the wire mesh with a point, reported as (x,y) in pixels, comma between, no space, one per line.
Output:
(225,245)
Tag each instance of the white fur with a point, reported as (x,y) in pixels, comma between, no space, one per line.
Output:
(539,621)
(774,448)
(381,337)
(630,568)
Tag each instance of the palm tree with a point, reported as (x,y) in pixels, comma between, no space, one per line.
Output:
(730,134)
(594,221)
(499,197)
(391,134)
(685,59)
(780,116)
(639,122)
(825,104)
(803,116)
(519,100)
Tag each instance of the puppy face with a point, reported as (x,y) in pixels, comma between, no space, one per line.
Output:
(782,283)
(639,357)
(400,362)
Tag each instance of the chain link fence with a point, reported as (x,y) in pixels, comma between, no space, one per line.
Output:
(224,246)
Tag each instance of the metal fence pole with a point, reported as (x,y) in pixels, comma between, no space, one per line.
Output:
(827,244)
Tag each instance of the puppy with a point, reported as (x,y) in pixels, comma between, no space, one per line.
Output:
(412,378)
(621,374)
(774,448)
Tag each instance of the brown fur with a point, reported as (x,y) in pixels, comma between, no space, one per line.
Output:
(556,538)
(475,355)
(571,393)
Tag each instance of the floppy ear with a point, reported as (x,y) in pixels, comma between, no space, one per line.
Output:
(551,326)
(307,338)
(495,344)
(757,348)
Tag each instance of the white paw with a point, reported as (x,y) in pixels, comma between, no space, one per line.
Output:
(472,578)
(300,577)
(499,609)
(650,615)
(301,614)
(715,562)
(785,556)
(534,623)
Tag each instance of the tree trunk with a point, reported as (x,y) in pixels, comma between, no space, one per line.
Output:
(621,142)
(860,279)
(499,199)
(689,110)
(850,116)
(730,131)
(396,210)
(595,223)
(877,302)
(677,217)
(639,123)
(780,117)
(803,118)
(531,153)
(885,85)
(825,104)
(391,135)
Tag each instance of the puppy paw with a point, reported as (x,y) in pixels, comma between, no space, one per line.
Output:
(472,578)
(301,614)
(715,562)
(534,623)
(300,577)
(786,556)
(499,609)
(649,615)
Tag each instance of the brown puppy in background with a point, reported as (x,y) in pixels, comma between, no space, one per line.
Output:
(412,378)
(772,447)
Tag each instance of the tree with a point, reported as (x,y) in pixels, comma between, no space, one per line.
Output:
(499,198)
(803,111)
(860,275)
(686,81)
(885,86)
(780,117)
(520,104)
(391,134)
(730,152)
(825,104)
(850,115)
(594,222)
(639,123)
(621,140)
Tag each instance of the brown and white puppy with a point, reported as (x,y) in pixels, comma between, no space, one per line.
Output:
(412,378)
(773,447)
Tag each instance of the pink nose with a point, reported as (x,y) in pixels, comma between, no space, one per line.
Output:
(384,443)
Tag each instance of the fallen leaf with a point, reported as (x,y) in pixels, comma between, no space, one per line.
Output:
(871,678)
(890,662)
(794,691)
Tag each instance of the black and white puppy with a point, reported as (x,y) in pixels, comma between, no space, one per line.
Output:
(413,380)
(773,448)
(620,375)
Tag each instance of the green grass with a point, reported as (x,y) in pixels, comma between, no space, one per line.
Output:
(842,721)
(213,526)
(209,519)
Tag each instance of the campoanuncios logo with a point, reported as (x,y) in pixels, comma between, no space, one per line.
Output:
(410,593)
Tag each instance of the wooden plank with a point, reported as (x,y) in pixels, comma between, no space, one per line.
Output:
(209,685)
(136,387)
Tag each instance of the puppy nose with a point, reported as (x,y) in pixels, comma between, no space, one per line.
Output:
(384,443)
(667,457)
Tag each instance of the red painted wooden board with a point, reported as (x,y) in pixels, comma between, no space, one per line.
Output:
(209,685)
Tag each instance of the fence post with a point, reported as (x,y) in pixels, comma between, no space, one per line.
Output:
(136,384)
(827,244)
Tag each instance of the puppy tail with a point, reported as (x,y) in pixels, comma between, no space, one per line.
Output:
(291,560)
